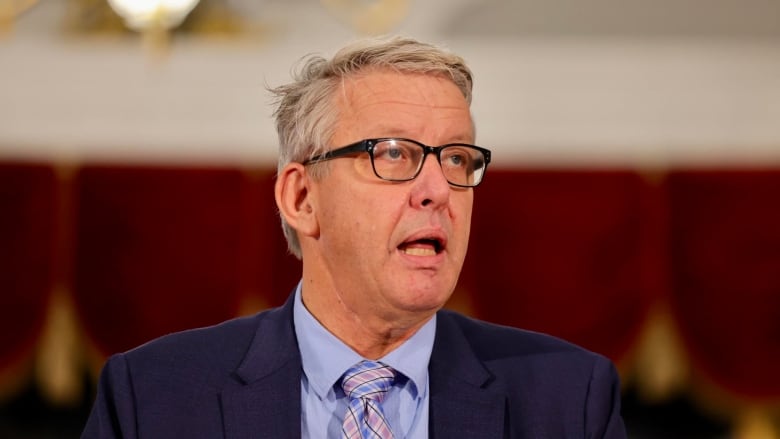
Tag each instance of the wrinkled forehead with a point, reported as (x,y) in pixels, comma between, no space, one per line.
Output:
(372,78)
(388,103)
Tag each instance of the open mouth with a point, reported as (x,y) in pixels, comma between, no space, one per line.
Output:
(422,247)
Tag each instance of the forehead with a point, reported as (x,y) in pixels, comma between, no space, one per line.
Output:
(390,103)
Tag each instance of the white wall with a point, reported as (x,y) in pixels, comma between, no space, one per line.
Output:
(541,98)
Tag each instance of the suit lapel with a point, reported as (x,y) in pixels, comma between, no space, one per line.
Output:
(264,399)
(462,402)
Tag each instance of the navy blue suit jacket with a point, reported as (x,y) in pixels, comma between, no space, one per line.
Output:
(242,378)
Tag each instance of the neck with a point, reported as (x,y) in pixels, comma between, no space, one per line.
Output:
(370,336)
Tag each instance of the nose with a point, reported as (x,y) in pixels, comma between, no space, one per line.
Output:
(430,188)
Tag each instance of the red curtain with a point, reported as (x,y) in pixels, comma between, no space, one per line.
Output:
(565,252)
(28,226)
(725,241)
(580,254)
(161,249)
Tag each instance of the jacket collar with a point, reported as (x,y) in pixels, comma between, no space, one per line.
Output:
(463,404)
(264,398)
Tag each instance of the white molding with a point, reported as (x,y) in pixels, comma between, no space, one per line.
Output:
(598,101)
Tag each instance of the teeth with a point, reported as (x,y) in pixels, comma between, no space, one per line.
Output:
(416,251)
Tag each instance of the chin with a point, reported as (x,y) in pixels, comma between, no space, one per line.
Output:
(427,300)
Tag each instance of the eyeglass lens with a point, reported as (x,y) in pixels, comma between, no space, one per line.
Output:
(401,160)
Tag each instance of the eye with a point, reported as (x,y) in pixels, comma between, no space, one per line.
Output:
(456,158)
(392,151)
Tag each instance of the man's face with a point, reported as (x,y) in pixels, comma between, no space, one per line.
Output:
(394,250)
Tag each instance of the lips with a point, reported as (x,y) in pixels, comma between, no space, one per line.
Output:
(426,245)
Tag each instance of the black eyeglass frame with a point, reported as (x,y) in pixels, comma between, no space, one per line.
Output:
(367,145)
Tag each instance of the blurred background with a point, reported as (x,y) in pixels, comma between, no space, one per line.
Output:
(633,204)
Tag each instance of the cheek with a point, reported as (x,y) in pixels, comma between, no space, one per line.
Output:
(461,207)
(380,218)
(333,213)
(357,219)
(461,217)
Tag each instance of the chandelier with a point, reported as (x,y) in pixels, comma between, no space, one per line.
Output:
(145,15)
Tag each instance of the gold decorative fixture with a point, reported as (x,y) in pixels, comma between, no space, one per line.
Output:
(10,10)
(369,17)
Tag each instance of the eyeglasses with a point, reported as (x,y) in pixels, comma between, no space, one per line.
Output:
(397,159)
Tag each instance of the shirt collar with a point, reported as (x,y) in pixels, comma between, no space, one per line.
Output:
(325,358)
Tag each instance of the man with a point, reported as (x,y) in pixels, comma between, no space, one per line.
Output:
(381,223)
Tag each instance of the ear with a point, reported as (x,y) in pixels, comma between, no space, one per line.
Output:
(293,198)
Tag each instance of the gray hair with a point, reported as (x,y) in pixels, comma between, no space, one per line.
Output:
(306,111)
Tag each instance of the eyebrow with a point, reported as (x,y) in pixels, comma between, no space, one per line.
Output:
(393,131)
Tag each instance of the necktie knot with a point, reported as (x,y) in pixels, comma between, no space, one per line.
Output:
(366,384)
(368,379)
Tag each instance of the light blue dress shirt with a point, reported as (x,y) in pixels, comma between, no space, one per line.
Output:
(326,358)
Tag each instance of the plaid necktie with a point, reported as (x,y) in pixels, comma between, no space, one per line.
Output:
(366,384)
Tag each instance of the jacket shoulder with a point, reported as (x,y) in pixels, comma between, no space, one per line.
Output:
(172,386)
(498,340)
(217,348)
(551,387)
